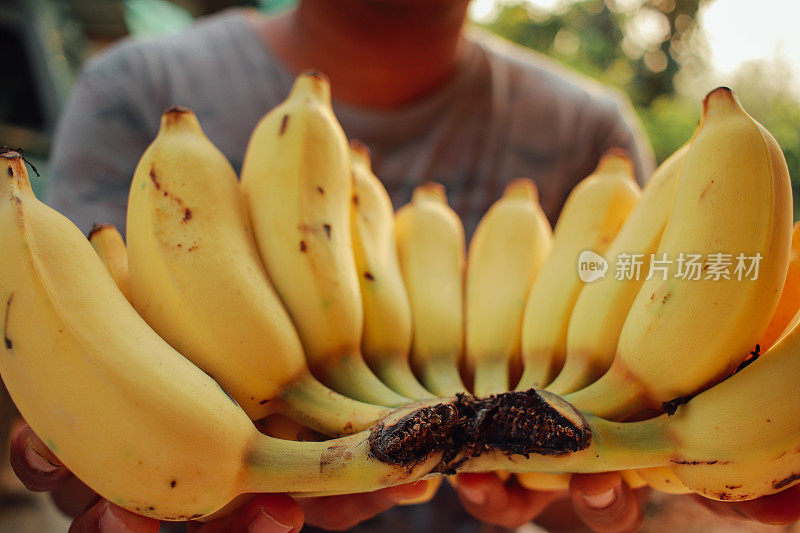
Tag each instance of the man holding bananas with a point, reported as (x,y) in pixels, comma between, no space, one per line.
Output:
(431,101)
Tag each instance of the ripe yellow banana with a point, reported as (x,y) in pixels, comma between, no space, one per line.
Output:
(430,245)
(683,334)
(663,479)
(789,304)
(124,411)
(197,279)
(592,216)
(505,253)
(603,305)
(108,244)
(734,441)
(297,184)
(386,341)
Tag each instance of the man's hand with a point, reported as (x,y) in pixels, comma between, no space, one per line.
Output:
(781,509)
(40,470)
(602,501)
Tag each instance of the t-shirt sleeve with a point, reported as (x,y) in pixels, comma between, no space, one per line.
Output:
(101,134)
(619,126)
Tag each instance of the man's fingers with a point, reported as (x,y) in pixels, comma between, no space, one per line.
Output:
(338,513)
(782,508)
(510,505)
(403,493)
(33,462)
(265,513)
(105,517)
(605,503)
(73,496)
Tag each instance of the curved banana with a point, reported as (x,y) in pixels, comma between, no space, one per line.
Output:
(592,216)
(197,279)
(505,253)
(789,303)
(107,242)
(684,334)
(386,341)
(430,245)
(297,184)
(125,412)
(603,305)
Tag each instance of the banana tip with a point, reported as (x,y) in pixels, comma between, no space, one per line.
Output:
(97,228)
(718,98)
(430,190)
(8,153)
(522,187)
(314,73)
(177,116)
(360,149)
(176,110)
(615,158)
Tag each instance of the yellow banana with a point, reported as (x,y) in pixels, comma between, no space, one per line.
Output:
(430,245)
(297,184)
(505,253)
(197,279)
(108,244)
(129,415)
(592,216)
(684,334)
(386,341)
(603,305)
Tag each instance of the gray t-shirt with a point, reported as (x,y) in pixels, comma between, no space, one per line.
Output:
(506,113)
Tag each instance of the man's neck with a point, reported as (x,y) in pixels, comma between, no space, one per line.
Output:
(377,53)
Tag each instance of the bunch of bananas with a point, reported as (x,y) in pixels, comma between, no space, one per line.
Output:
(288,332)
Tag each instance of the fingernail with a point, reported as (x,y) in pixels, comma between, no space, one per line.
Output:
(473,495)
(264,523)
(602,500)
(36,461)
(111,523)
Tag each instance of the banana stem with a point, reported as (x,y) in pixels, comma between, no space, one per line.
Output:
(338,466)
(537,372)
(440,376)
(610,397)
(575,375)
(351,376)
(395,371)
(613,446)
(314,405)
(491,376)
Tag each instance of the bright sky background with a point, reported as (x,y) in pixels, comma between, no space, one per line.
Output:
(736,31)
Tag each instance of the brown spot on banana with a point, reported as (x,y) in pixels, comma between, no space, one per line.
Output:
(284,124)
(779,484)
(693,463)
(154,178)
(6,339)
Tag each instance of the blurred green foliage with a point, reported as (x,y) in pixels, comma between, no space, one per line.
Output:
(643,48)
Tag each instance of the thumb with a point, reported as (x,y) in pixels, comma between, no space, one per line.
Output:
(605,503)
